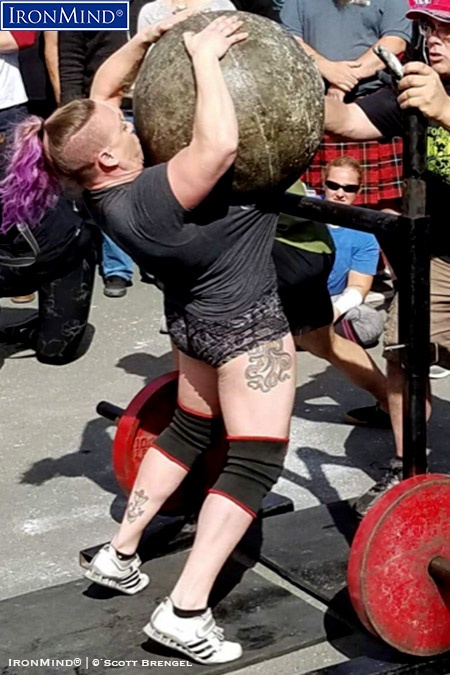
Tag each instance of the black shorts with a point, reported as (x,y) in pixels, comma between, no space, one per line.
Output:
(216,342)
(302,286)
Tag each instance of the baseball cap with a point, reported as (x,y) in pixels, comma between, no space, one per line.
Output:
(436,9)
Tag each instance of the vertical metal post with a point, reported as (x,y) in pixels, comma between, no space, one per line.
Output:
(414,289)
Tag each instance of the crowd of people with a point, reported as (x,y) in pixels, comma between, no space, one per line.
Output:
(232,310)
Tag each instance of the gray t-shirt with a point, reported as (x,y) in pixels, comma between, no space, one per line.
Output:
(344,33)
(156,11)
(214,261)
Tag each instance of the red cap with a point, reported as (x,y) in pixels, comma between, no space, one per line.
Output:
(436,9)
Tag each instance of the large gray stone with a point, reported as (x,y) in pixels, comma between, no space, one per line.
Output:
(276,88)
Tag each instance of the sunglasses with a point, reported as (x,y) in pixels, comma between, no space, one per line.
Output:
(331,185)
(441,30)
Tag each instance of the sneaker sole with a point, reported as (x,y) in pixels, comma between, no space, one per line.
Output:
(439,376)
(98,578)
(115,294)
(167,641)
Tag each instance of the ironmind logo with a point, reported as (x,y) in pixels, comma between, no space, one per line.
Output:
(65,15)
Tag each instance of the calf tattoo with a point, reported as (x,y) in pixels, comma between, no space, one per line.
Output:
(269,365)
(134,508)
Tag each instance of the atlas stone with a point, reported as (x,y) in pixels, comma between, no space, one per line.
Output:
(277,92)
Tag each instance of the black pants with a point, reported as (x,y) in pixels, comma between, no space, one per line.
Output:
(64,289)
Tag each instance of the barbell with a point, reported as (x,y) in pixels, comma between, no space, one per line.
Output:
(399,563)
(399,566)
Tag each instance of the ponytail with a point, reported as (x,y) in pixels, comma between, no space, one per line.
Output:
(31,186)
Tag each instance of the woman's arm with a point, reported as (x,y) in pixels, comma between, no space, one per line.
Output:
(194,171)
(117,74)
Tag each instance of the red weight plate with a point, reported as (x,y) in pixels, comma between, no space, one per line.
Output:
(149,412)
(389,584)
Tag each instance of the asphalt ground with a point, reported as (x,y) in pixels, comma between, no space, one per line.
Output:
(57,489)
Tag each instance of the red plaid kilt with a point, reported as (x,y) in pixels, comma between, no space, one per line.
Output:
(381,163)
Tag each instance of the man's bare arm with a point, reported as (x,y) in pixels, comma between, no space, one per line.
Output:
(349,121)
(370,62)
(342,74)
(51,61)
(358,286)
(12,41)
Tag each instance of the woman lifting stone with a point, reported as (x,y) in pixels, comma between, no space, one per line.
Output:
(236,353)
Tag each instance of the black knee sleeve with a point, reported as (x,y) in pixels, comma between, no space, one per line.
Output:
(253,467)
(187,436)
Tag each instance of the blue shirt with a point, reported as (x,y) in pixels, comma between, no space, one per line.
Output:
(355,251)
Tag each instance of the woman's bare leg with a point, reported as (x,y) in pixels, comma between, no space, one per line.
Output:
(256,396)
(158,476)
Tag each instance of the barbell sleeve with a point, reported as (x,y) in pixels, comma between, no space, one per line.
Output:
(439,570)
(109,410)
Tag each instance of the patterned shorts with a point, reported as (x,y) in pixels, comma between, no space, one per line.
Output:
(216,342)
(381,162)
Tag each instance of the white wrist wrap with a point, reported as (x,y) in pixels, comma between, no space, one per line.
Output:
(351,297)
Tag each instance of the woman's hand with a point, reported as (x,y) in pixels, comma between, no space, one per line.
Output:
(216,38)
(151,34)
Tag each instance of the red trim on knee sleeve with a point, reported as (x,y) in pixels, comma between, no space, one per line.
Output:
(169,456)
(235,501)
(257,438)
(196,413)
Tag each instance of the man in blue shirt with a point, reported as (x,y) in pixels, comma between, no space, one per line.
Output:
(356,260)
(318,327)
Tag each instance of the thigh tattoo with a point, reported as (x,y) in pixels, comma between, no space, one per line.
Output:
(269,365)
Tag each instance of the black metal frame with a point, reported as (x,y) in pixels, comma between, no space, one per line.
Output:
(412,230)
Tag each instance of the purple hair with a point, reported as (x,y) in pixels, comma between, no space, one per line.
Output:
(30,187)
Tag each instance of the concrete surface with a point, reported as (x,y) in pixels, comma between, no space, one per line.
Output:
(57,489)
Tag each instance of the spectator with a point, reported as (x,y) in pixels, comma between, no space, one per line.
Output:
(56,257)
(340,36)
(303,256)
(80,54)
(380,116)
(13,97)
(356,261)
(36,62)
(155,11)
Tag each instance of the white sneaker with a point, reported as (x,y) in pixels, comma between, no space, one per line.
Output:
(199,637)
(438,372)
(123,575)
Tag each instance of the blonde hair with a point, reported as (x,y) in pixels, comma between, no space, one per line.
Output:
(344,162)
(70,142)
